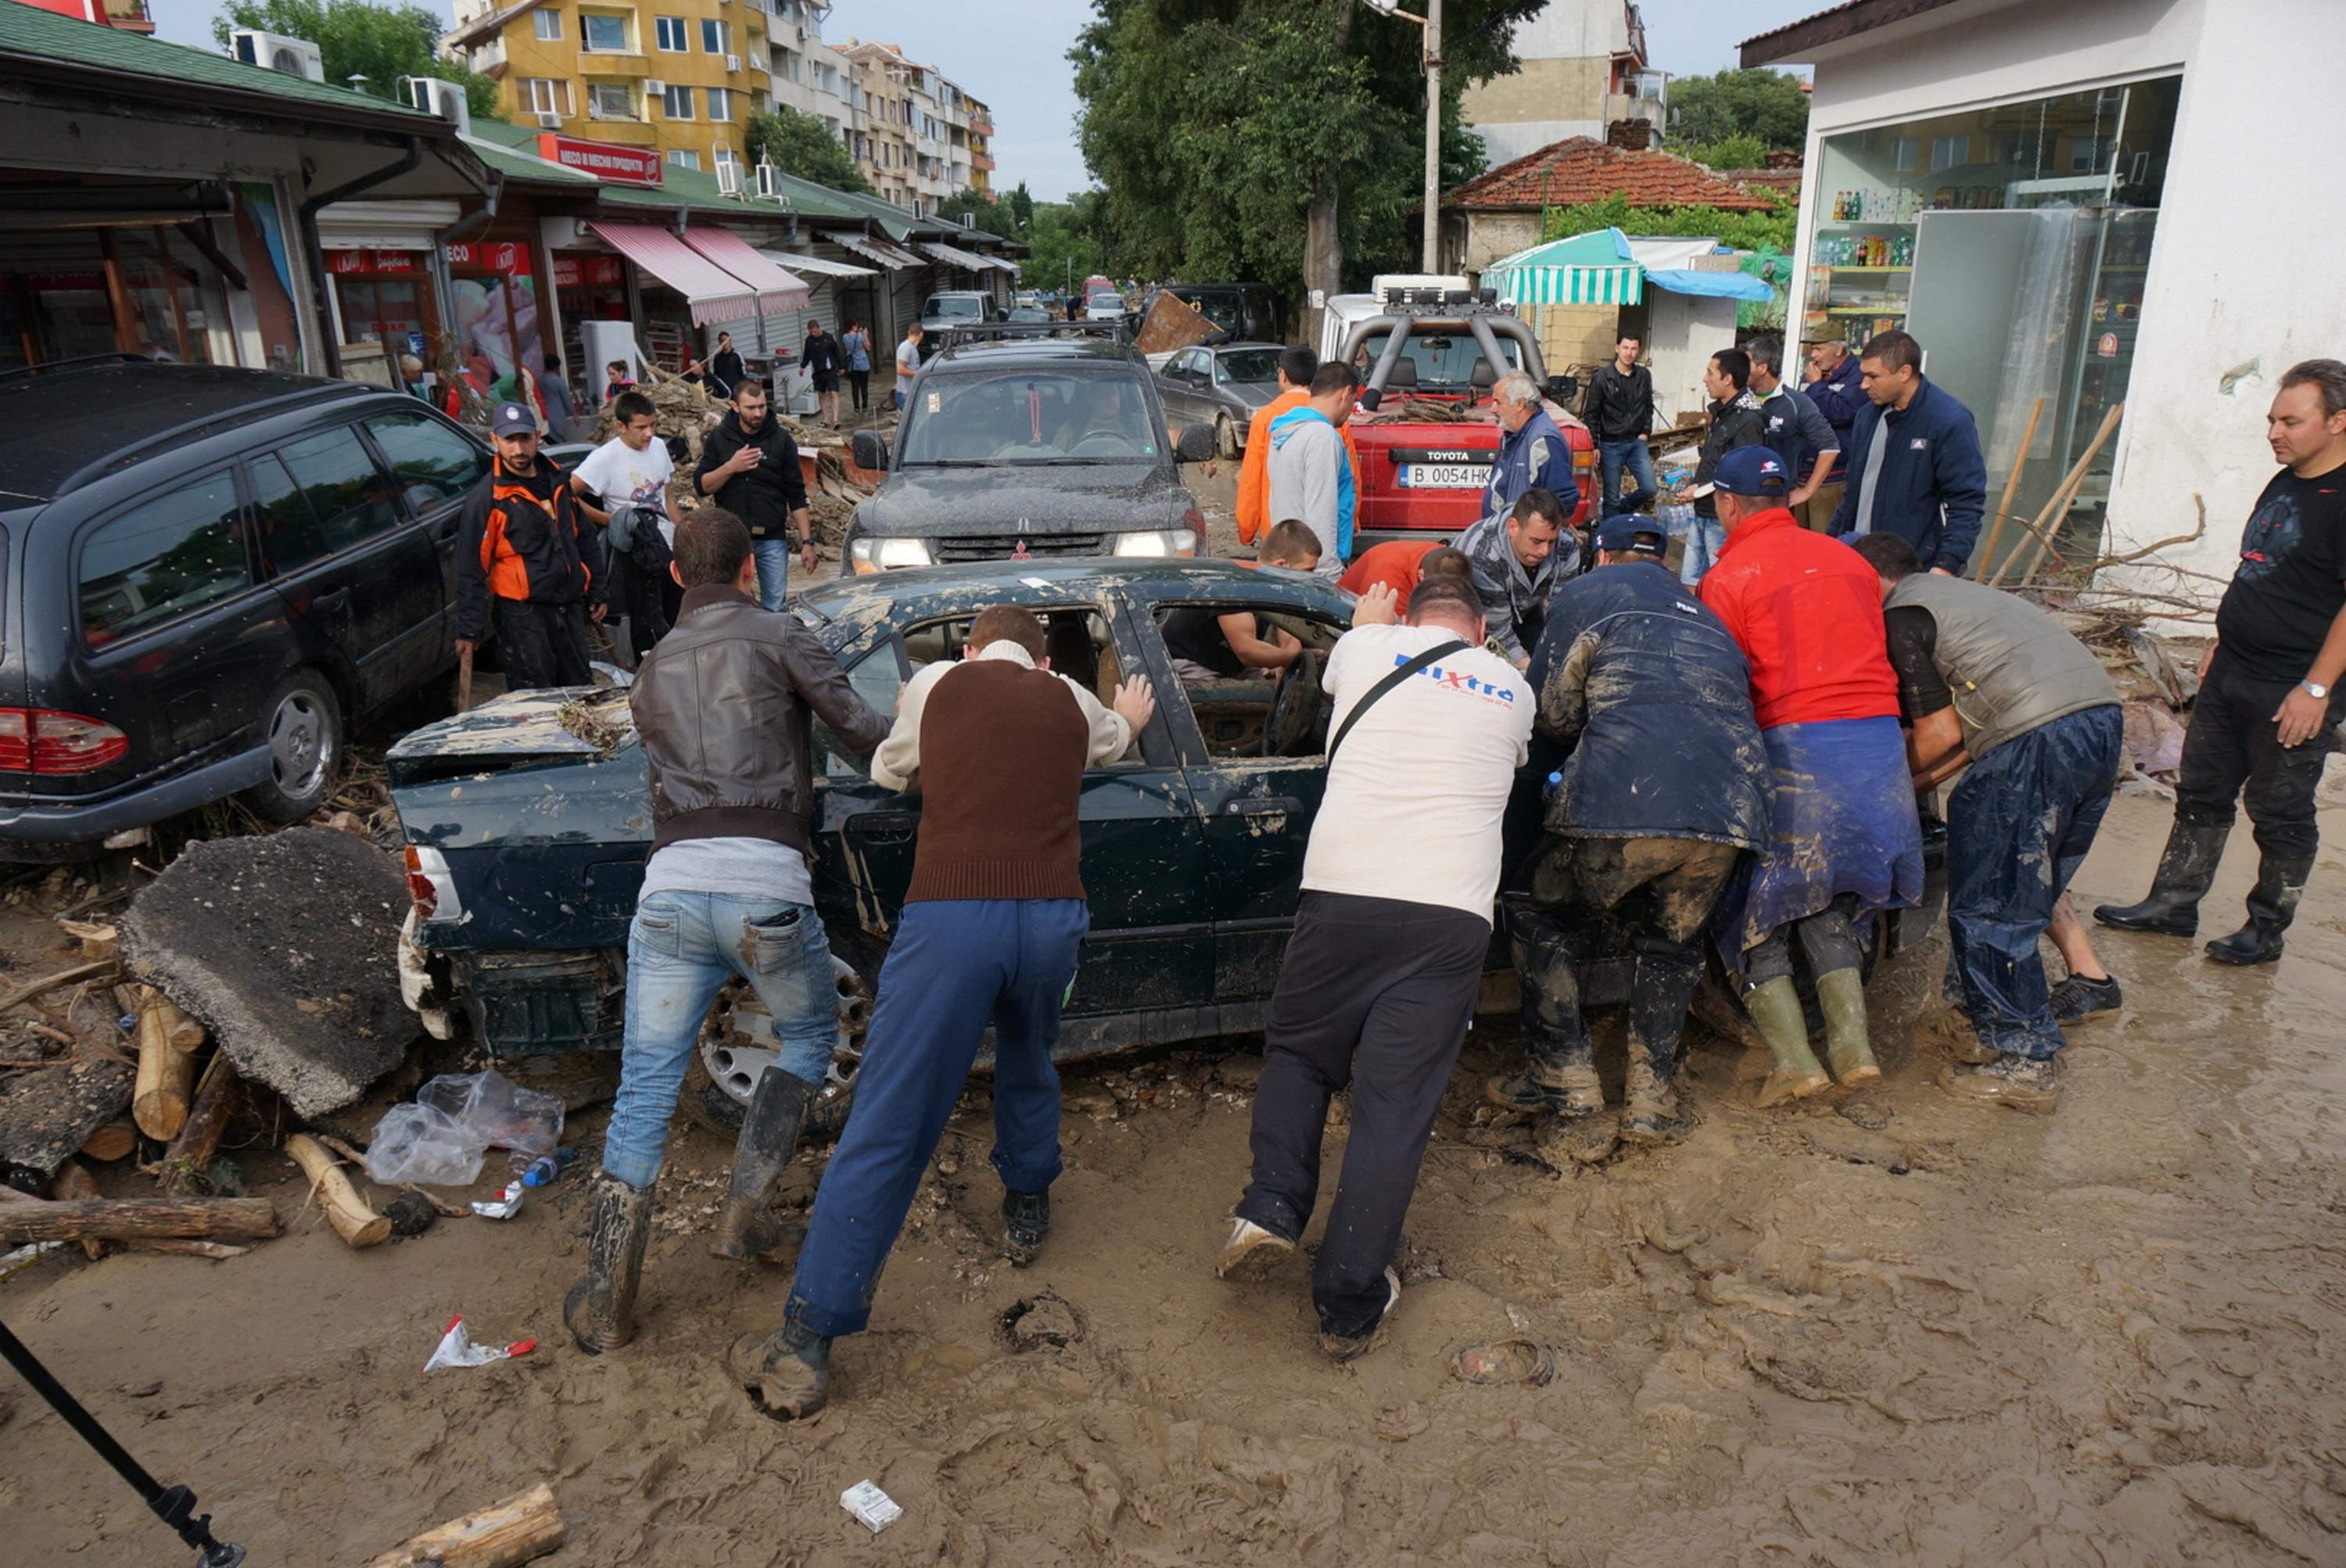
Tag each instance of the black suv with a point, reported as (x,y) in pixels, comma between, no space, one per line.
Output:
(1020,442)
(206,570)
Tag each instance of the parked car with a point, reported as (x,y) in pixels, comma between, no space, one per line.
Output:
(1245,310)
(1023,442)
(1104,306)
(958,308)
(209,571)
(1192,847)
(1220,386)
(1030,313)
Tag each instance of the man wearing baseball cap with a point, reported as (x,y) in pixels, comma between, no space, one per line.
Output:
(524,563)
(1845,845)
(1660,788)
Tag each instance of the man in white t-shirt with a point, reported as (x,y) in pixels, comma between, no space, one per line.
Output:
(908,363)
(1378,983)
(631,469)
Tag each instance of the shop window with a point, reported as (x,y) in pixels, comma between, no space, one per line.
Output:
(603,34)
(721,103)
(610,101)
(433,464)
(684,157)
(549,23)
(1950,151)
(319,497)
(161,560)
(674,36)
(544,95)
(1903,154)
(677,103)
(2091,154)
(716,37)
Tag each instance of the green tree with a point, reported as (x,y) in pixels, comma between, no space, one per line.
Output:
(1021,205)
(1741,231)
(1767,106)
(1279,142)
(1733,152)
(978,207)
(1066,245)
(381,43)
(803,146)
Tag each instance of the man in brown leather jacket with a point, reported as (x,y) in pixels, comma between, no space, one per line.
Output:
(721,705)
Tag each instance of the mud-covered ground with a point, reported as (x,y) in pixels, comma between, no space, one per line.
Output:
(2107,1337)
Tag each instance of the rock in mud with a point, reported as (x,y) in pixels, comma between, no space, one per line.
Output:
(1239,1072)
(285,946)
(1039,1321)
(1867,1112)
(409,1214)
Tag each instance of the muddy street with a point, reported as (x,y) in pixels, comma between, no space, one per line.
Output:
(1898,1329)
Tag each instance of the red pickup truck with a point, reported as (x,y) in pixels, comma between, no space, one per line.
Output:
(1434,350)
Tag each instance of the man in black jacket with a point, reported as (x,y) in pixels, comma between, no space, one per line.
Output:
(824,359)
(725,365)
(750,464)
(1618,409)
(721,705)
(524,562)
(1664,788)
(1735,422)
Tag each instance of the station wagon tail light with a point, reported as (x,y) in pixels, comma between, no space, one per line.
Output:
(1157,541)
(37,740)
(431,887)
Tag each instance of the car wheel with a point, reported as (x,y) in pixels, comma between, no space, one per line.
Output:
(1226,436)
(736,1045)
(301,724)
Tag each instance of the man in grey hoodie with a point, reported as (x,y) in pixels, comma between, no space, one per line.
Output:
(1311,474)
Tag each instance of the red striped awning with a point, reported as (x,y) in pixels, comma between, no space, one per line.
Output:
(714,293)
(776,289)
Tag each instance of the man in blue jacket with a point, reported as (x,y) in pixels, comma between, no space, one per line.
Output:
(1836,386)
(1533,452)
(1915,467)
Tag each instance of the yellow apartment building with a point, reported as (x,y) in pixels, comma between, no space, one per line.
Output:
(680,76)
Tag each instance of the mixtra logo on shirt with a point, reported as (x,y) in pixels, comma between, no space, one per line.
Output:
(1460,680)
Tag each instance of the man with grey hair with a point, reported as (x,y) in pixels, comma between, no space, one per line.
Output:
(1533,452)
(1792,428)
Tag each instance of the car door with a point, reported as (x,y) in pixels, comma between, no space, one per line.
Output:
(435,466)
(338,547)
(1173,387)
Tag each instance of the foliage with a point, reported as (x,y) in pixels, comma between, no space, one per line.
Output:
(1067,244)
(1213,124)
(979,208)
(1729,152)
(1767,106)
(1741,231)
(381,43)
(800,144)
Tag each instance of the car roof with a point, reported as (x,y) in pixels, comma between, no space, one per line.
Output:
(70,422)
(1036,351)
(927,590)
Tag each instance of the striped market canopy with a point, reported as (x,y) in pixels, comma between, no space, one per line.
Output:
(1622,284)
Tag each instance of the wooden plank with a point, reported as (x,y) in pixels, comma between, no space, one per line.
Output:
(505,1534)
(136,1220)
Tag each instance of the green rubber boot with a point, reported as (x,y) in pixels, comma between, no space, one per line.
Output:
(1775,1007)
(1841,993)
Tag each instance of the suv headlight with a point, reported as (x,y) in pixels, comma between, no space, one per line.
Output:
(869,554)
(1157,541)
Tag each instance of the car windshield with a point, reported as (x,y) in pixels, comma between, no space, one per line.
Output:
(981,417)
(1247,365)
(947,305)
(1106,301)
(1030,313)
(1444,361)
(1226,311)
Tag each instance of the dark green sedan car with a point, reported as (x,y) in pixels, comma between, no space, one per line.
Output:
(527,824)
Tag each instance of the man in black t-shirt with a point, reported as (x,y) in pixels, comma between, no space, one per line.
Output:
(1213,645)
(2267,702)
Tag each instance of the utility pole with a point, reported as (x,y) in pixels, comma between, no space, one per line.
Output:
(1432,135)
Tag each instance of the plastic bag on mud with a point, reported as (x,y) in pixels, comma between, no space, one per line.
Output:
(423,1143)
(497,1112)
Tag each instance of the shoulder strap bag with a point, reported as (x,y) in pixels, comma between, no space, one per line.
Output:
(1401,672)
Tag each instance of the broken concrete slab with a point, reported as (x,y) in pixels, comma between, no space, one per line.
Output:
(46,1115)
(285,946)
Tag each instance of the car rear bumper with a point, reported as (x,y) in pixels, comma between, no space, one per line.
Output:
(35,830)
(1363,538)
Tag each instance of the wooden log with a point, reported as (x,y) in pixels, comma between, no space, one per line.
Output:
(99,940)
(112,1141)
(216,1250)
(2011,488)
(190,1154)
(346,1211)
(136,1220)
(79,972)
(524,1526)
(74,1185)
(167,1067)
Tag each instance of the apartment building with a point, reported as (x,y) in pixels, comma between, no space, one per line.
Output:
(915,134)
(1582,66)
(678,77)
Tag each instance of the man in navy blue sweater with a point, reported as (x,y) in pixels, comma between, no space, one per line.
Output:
(1913,461)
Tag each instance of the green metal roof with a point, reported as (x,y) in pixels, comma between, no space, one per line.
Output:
(42,35)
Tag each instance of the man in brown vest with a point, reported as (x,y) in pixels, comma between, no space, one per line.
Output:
(996,745)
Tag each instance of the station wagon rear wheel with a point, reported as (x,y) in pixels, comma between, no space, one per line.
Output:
(301,724)
(1226,436)
(736,1045)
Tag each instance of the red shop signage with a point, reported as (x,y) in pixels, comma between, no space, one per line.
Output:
(507,257)
(604,160)
(346,261)
(572,271)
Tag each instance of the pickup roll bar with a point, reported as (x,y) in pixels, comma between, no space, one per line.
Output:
(1486,326)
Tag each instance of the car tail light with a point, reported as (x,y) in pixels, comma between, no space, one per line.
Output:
(431,887)
(38,740)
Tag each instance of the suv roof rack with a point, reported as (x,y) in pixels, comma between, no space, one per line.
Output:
(998,331)
(79,361)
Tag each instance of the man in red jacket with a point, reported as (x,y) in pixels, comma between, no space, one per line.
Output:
(1847,845)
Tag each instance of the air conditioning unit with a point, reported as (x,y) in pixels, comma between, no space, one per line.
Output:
(549,122)
(770,182)
(728,177)
(656,88)
(733,65)
(276,52)
(434,96)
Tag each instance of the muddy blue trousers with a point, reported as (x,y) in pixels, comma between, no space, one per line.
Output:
(2017,827)
(956,965)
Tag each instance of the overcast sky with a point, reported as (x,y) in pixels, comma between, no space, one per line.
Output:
(1014,57)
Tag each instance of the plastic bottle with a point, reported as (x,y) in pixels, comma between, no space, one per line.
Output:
(546,1167)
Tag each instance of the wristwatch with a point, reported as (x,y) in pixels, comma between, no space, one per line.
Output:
(2314,691)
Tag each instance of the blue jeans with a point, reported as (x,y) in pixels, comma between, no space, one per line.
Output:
(773,557)
(1704,540)
(955,966)
(2017,827)
(1612,456)
(681,949)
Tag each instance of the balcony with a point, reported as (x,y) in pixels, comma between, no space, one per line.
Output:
(130,15)
(981,124)
(621,132)
(979,160)
(611,63)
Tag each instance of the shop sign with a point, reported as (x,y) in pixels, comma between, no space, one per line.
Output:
(506,256)
(604,160)
(572,271)
(565,272)
(355,260)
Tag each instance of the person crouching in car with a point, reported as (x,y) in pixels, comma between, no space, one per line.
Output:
(721,705)
(525,564)
(1209,644)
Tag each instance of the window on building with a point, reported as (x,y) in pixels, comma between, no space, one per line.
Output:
(158,561)
(720,103)
(545,94)
(716,37)
(610,101)
(684,157)
(675,38)
(2091,154)
(1903,152)
(601,33)
(1950,151)
(549,23)
(676,102)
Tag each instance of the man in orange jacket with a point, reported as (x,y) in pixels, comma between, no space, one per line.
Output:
(1297,366)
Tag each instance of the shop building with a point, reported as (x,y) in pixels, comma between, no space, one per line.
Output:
(2092,204)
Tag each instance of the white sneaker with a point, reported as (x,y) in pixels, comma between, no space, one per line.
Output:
(1251,1252)
(1343,1350)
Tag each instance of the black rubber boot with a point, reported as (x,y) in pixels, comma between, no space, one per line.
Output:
(1657,1010)
(793,1372)
(2272,904)
(2185,869)
(601,1309)
(1026,1222)
(770,1131)
(1559,1072)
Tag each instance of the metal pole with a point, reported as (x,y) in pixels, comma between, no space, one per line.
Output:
(1432,135)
